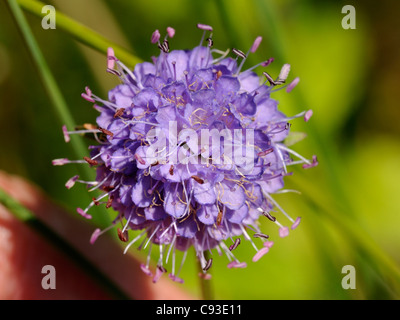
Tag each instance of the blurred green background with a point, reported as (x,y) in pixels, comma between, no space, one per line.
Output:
(350,204)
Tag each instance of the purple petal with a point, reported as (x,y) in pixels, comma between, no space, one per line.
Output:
(204,193)
(155,213)
(174,201)
(236,216)
(140,195)
(231,195)
(207,214)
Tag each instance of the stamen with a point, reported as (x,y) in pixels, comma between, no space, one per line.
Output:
(174,67)
(83,213)
(204,27)
(268,62)
(239,53)
(119,112)
(296,223)
(139,159)
(96,203)
(59,162)
(123,236)
(95,235)
(308,115)
(261,235)
(159,272)
(197,179)
(235,245)
(265,152)
(284,73)
(205,276)
(90,161)
(146,270)
(247,237)
(87,97)
(109,202)
(256,44)
(269,216)
(134,240)
(278,206)
(235,264)
(71,182)
(269,78)
(114,72)
(66,135)
(170,32)
(155,37)
(210,41)
(291,85)
(107,132)
(260,253)
(283,232)
(313,164)
(268,244)
(175,278)
(208,264)
(110,58)
(164,46)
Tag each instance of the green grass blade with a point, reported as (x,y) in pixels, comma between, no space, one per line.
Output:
(81,33)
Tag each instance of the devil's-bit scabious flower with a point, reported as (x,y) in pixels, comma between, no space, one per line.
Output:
(169,153)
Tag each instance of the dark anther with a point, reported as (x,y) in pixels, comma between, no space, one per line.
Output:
(197,179)
(123,236)
(219,217)
(208,265)
(114,72)
(107,132)
(272,218)
(235,245)
(239,53)
(95,201)
(119,112)
(90,161)
(162,269)
(164,46)
(171,170)
(260,235)
(109,202)
(269,78)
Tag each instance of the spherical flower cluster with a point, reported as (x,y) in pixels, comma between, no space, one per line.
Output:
(180,190)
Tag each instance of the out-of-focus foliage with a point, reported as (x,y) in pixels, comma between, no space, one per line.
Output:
(349,205)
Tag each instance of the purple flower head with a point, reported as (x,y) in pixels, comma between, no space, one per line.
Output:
(190,151)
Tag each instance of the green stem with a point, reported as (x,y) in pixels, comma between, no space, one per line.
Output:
(205,285)
(29,219)
(81,33)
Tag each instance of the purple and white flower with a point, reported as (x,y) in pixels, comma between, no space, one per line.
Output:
(208,203)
